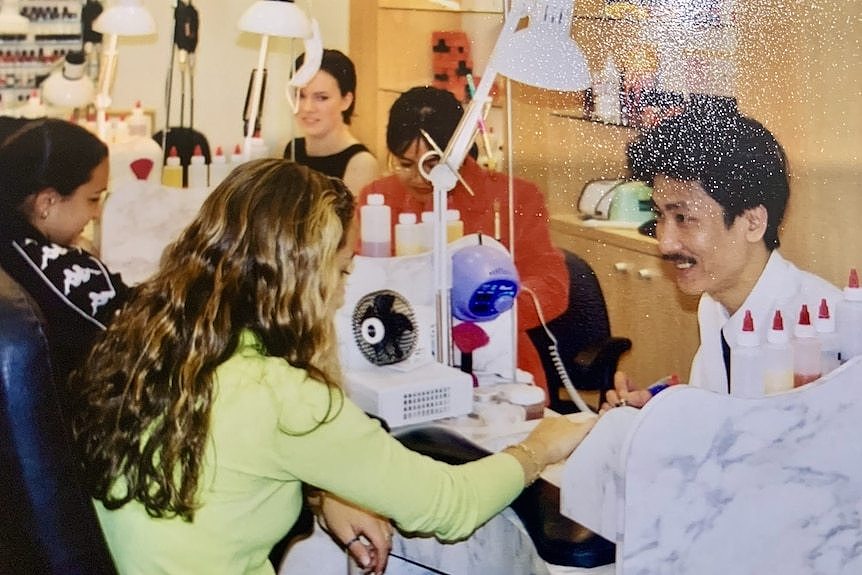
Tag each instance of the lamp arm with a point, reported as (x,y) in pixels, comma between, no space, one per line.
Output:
(106,78)
(257,87)
(459,145)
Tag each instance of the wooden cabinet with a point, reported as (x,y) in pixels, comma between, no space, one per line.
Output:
(390,44)
(642,299)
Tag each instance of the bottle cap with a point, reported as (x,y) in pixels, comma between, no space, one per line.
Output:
(198,155)
(406,218)
(825,321)
(173,157)
(853,292)
(427,217)
(375,199)
(777,335)
(803,328)
(747,336)
(453,215)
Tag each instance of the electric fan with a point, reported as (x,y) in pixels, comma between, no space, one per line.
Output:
(384,327)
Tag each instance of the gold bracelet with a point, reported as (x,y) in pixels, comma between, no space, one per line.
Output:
(531,460)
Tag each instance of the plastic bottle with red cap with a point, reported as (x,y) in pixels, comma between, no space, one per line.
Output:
(198,176)
(806,350)
(172,173)
(747,368)
(824,325)
(848,318)
(219,167)
(778,358)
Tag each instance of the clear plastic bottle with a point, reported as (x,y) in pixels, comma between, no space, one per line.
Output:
(824,325)
(376,227)
(197,170)
(746,362)
(407,235)
(172,173)
(454,225)
(219,167)
(806,350)
(778,357)
(848,318)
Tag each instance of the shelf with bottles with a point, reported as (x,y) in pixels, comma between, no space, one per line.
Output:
(27,58)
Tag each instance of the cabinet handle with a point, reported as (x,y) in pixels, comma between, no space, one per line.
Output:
(646,273)
(622,267)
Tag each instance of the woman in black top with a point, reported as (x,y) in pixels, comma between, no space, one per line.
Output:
(52,175)
(326,105)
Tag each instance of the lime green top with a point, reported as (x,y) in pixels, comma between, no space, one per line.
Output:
(264,445)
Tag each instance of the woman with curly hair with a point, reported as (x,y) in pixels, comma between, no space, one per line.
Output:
(215,395)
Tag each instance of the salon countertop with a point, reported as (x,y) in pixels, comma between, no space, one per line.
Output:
(624,237)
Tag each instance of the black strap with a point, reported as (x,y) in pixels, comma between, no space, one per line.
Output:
(725,352)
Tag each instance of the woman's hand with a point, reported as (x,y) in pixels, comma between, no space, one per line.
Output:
(365,535)
(555,438)
(625,393)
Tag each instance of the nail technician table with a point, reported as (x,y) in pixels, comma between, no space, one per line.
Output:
(500,547)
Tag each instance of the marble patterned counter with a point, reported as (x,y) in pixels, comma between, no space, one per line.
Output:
(699,483)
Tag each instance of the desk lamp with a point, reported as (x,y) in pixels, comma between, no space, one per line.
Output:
(68,86)
(123,18)
(282,19)
(541,53)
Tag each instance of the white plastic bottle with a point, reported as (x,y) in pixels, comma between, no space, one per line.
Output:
(376,227)
(454,225)
(806,350)
(848,318)
(138,123)
(197,170)
(778,358)
(407,235)
(219,167)
(426,231)
(172,173)
(746,362)
(824,325)
(236,158)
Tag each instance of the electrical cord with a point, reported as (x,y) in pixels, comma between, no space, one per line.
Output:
(556,359)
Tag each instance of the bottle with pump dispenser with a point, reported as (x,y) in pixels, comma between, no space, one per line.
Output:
(806,350)
(848,318)
(746,362)
(778,358)
(407,235)
(219,167)
(197,170)
(376,227)
(172,173)
(824,325)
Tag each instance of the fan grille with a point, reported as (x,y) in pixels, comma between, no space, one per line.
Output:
(384,327)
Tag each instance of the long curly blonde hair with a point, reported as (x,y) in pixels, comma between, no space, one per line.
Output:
(260,255)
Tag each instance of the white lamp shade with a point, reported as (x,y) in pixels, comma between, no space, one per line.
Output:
(543,54)
(125,18)
(275,18)
(11,21)
(65,92)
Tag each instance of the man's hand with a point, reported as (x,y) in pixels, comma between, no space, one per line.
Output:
(625,393)
(365,535)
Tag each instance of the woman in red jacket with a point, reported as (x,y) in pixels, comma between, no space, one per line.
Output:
(540,265)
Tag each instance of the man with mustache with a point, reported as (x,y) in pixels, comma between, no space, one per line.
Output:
(720,189)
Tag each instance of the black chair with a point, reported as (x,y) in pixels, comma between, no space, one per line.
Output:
(48,524)
(585,348)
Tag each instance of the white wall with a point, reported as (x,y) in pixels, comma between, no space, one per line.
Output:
(225,58)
